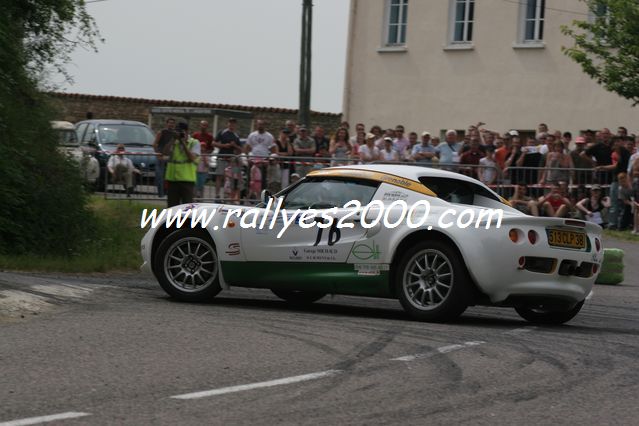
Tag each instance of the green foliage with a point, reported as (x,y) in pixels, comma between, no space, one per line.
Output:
(43,203)
(112,244)
(621,235)
(607,46)
(44,32)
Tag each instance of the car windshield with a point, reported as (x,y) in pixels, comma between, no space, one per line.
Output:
(67,137)
(321,193)
(127,134)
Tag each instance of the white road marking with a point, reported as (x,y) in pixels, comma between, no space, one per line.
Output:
(268,384)
(45,419)
(520,330)
(449,348)
(440,350)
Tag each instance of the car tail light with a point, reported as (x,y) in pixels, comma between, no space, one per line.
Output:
(522,262)
(595,268)
(513,234)
(598,244)
(532,237)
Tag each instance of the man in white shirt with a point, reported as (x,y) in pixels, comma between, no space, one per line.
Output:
(259,146)
(369,152)
(121,169)
(260,143)
(488,169)
(389,153)
(449,152)
(633,157)
(424,153)
(401,142)
(359,129)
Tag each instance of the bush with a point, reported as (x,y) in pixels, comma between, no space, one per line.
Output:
(114,246)
(44,206)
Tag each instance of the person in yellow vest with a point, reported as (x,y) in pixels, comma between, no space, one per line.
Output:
(181,169)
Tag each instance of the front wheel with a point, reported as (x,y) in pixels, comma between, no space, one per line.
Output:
(298,297)
(186,266)
(432,282)
(541,315)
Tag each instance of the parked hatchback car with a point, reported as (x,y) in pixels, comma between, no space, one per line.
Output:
(100,138)
(69,145)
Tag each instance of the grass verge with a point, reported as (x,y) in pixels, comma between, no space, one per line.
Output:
(114,246)
(621,235)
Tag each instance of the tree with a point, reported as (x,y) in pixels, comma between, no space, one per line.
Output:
(43,206)
(607,45)
(44,32)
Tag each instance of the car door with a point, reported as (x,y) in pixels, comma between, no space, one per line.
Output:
(88,140)
(79,131)
(329,228)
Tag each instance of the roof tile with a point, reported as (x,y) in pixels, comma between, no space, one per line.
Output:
(166,102)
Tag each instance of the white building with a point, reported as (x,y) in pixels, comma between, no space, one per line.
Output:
(438,64)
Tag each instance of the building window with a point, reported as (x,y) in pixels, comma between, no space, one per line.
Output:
(599,14)
(396,22)
(599,11)
(533,24)
(462,21)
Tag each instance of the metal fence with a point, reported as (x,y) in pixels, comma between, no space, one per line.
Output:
(240,178)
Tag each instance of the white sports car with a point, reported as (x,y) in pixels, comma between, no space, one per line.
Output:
(438,241)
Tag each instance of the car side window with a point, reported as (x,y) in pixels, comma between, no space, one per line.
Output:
(320,193)
(80,131)
(456,191)
(90,134)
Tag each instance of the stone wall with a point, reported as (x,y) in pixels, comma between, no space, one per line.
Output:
(74,108)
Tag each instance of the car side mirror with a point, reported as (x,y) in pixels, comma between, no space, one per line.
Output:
(265,195)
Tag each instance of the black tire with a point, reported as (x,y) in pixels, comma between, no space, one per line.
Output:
(538,315)
(188,255)
(298,297)
(437,291)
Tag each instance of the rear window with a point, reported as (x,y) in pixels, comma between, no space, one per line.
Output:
(67,137)
(457,191)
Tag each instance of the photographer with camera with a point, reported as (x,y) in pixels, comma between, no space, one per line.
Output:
(161,144)
(181,169)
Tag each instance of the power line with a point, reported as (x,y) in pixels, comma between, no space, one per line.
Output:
(93,1)
(524,3)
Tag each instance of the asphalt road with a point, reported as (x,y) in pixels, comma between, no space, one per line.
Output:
(115,350)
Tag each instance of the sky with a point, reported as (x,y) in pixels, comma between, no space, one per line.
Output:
(243,52)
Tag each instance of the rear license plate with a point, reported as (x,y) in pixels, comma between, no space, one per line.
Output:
(566,239)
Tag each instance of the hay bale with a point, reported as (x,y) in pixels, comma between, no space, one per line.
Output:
(611,268)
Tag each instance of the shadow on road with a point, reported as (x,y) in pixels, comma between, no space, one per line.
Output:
(327,308)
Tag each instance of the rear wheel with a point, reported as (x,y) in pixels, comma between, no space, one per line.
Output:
(299,297)
(432,282)
(541,315)
(186,266)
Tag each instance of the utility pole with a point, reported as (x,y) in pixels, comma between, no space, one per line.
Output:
(305,64)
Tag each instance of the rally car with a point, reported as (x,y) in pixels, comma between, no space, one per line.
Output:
(459,244)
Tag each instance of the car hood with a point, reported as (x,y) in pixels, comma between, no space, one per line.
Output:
(130,148)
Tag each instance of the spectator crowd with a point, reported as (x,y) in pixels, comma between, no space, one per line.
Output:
(593,176)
